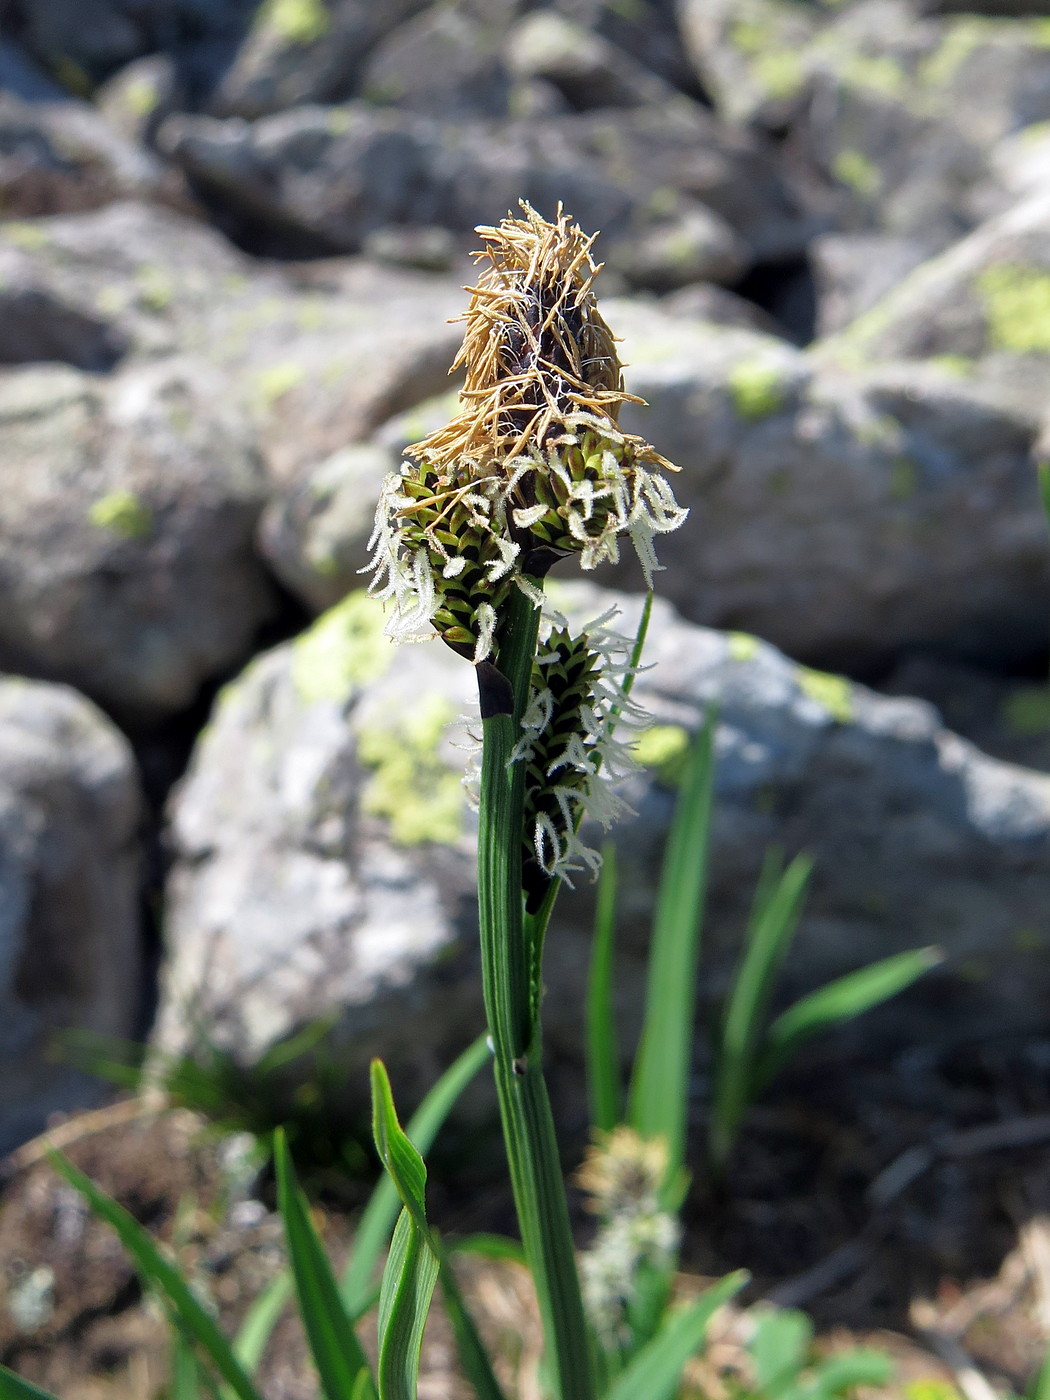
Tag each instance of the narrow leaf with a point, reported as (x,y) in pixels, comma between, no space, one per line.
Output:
(770,931)
(185,1380)
(864,1366)
(260,1320)
(379,1215)
(657,1369)
(158,1273)
(408,1285)
(779,1348)
(483,1246)
(603,1057)
(335,1349)
(659,1085)
(406,1276)
(13,1387)
(839,1001)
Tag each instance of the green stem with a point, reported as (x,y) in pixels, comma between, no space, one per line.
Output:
(528,1127)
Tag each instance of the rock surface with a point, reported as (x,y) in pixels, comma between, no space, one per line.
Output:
(70,943)
(126,514)
(324,850)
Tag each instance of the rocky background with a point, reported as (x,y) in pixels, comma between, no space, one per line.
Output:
(231,237)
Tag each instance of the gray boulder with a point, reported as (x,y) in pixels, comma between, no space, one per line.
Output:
(59,157)
(126,513)
(983,302)
(586,68)
(70,952)
(308,358)
(312,53)
(840,512)
(324,178)
(324,853)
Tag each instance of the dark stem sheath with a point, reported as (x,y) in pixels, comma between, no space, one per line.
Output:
(511,1007)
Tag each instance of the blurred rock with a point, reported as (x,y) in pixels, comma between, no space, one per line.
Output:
(84,42)
(126,521)
(842,513)
(137,99)
(324,856)
(70,953)
(853,271)
(38,323)
(322,179)
(694,246)
(313,535)
(987,299)
(703,301)
(58,157)
(309,358)
(446,62)
(310,51)
(749,55)
(587,69)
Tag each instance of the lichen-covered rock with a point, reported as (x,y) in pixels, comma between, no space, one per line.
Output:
(70,951)
(127,511)
(60,157)
(987,300)
(586,68)
(299,51)
(309,358)
(324,851)
(323,178)
(842,513)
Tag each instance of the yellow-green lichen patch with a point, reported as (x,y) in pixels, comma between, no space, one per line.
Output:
(664,748)
(742,646)
(780,73)
(959,42)
(1016,301)
(140,98)
(757,388)
(854,170)
(24,235)
(155,287)
(957,366)
(410,786)
(931,1388)
(295,21)
(345,647)
(278,380)
(876,74)
(123,513)
(835,693)
(1027,711)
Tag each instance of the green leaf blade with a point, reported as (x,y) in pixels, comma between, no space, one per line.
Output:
(603,1056)
(408,1285)
(379,1215)
(656,1371)
(658,1100)
(158,1272)
(336,1352)
(13,1387)
(842,1000)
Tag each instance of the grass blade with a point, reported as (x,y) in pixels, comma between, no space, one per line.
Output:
(158,1273)
(408,1172)
(381,1212)
(185,1380)
(260,1320)
(408,1285)
(770,931)
(656,1371)
(13,1387)
(603,1058)
(839,1001)
(335,1349)
(659,1084)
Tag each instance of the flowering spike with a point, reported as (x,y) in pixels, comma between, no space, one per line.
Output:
(534,465)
